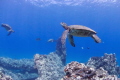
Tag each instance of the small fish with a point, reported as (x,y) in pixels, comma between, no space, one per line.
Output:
(82,47)
(88,47)
(51,40)
(8,28)
(38,39)
(85,48)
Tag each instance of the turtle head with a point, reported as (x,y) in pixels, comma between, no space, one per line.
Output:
(64,25)
(3,25)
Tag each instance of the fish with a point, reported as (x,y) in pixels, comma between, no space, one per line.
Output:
(51,40)
(38,39)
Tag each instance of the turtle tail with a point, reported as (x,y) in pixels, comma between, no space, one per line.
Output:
(96,38)
(9,33)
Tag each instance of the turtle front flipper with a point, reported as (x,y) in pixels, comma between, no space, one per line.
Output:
(64,36)
(71,40)
(96,38)
(9,33)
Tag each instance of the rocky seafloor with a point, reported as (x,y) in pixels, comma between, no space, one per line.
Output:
(50,67)
(53,67)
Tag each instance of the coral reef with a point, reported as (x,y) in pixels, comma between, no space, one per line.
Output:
(79,71)
(21,64)
(19,69)
(49,66)
(3,76)
(108,62)
(61,50)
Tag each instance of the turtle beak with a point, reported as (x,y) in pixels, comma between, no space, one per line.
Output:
(3,25)
(64,25)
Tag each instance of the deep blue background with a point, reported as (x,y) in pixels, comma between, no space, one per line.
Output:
(31,22)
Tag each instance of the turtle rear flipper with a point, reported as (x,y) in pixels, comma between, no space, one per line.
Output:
(71,40)
(64,36)
(9,33)
(96,38)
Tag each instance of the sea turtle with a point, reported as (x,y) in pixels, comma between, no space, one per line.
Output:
(8,28)
(79,31)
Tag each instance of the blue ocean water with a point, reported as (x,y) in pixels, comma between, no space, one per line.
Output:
(32,19)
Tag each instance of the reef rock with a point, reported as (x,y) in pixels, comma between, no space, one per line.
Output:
(49,66)
(19,69)
(108,62)
(18,64)
(3,76)
(79,71)
(61,50)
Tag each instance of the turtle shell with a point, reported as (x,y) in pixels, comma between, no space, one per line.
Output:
(80,31)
